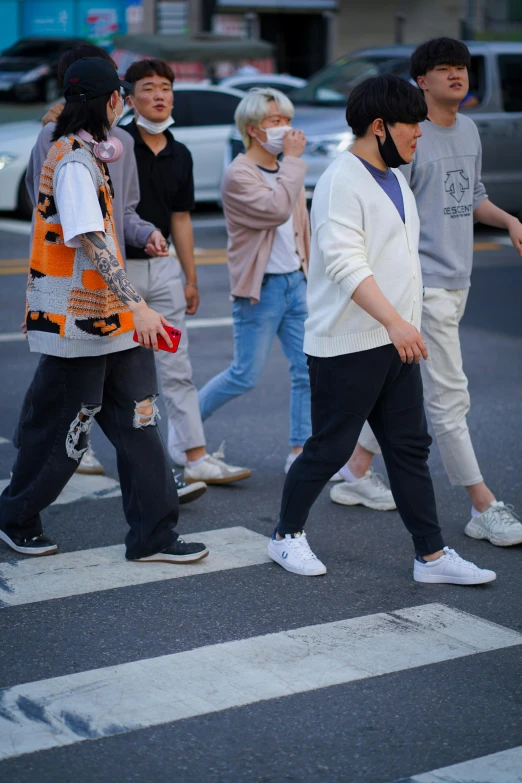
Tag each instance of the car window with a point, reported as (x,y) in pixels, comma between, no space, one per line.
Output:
(510,68)
(477,84)
(333,84)
(212,108)
(182,108)
(281,86)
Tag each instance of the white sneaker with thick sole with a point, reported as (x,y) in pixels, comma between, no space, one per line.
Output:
(498,524)
(89,464)
(294,554)
(369,491)
(451,569)
(213,470)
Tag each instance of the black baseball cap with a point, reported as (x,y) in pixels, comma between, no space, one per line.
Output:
(95,76)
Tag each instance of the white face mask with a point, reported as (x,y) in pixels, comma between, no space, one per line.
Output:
(117,117)
(153,127)
(274,139)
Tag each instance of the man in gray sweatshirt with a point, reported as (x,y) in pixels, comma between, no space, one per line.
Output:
(445,177)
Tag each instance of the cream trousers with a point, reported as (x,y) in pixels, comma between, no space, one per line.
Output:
(446,393)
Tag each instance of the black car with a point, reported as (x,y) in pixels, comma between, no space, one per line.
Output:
(28,68)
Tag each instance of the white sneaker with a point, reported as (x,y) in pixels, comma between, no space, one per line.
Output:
(212,470)
(294,554)
(498,524)
(370,491)
(89,464)
(451,569)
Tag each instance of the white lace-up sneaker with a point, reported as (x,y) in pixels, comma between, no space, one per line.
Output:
(213,470)
(89,464)
(498,524)
(370,491)
(451,569)
(294,554)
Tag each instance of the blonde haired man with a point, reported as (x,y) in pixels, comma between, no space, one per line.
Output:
(268,245)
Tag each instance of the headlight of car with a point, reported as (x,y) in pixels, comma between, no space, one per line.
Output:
(34,74)
(5,159)
(329,146)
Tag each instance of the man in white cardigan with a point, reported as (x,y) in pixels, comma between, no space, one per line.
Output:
(362,336)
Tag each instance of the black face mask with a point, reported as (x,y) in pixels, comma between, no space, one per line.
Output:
(388,150)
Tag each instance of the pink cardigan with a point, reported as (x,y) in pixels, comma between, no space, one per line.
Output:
(253,211)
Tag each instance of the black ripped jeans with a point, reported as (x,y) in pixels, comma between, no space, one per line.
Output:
(347,390)
(64,398)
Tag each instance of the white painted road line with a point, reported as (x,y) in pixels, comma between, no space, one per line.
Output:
(192,323)
(3,440)
(16,226)
(118,699)
(503,767)
(90,570)
(83,487)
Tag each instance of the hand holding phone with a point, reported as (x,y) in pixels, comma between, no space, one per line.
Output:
(174,334)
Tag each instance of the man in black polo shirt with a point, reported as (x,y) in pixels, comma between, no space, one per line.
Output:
(167,196)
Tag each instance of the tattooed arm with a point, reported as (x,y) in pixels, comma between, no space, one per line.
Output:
(147,322)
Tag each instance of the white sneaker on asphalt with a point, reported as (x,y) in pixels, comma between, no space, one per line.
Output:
(213,470)
(89,464)
(498,524)
(369,491)
(294,554)
(451,569)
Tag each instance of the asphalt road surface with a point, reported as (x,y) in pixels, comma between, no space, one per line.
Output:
(233,670)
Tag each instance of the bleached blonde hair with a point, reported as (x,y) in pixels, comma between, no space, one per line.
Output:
(253,109)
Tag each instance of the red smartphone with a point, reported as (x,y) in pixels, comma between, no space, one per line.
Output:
(174,334)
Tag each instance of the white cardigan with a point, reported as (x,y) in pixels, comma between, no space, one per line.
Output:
(357,232)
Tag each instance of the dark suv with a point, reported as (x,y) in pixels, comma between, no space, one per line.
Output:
(28,68)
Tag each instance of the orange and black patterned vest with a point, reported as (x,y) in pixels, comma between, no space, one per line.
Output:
(71,312)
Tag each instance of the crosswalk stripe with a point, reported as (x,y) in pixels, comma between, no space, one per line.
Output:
(3,440)
(503,767)
(82,487)
(118,699)
(105,568)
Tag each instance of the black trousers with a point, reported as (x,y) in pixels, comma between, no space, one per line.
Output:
(51,437)
(347,390)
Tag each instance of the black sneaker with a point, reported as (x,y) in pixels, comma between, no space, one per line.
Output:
(189,492)
(38,546)
(178,552)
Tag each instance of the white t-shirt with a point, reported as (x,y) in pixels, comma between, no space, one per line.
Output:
(77,202)
(284,257)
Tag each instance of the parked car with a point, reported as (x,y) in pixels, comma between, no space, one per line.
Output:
(28,68)
(279,81)
(204,116)
(495,81)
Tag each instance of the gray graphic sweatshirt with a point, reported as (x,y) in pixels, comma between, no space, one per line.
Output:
(445,179)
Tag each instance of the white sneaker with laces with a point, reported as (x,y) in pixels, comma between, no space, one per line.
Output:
(451,569)
(369,491)
(89,464)
(213,470)
(498,524)
(294,554)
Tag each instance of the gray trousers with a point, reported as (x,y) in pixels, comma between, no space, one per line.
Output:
(159,282)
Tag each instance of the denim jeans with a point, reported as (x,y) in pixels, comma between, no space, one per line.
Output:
(65,397)
(281,311)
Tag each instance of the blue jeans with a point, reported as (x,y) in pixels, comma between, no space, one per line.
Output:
(281,311)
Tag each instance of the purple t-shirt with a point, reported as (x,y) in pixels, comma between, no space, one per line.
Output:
(389,183)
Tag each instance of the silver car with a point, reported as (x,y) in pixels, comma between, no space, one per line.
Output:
(494,103)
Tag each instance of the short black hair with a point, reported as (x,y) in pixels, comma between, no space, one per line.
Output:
(149,67)
(90,115)
(386,97)
(438,51)
(78,52)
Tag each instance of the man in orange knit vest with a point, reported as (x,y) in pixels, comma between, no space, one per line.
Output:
(81,314)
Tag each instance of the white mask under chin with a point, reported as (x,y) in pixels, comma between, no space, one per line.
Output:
(153,127)
(274,139)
